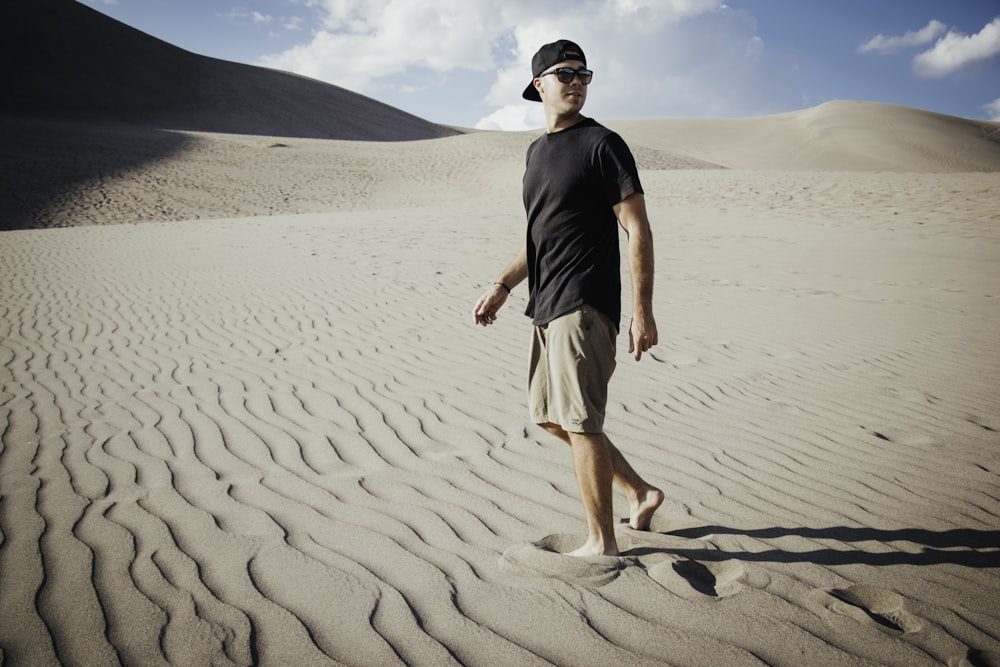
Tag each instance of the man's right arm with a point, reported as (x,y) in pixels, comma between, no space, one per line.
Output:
(642,333)
(489,303)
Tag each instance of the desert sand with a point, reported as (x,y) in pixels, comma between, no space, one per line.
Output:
(246,417)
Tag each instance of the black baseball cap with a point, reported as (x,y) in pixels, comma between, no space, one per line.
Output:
(547,56)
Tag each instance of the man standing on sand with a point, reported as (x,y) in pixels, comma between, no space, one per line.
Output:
(580,180)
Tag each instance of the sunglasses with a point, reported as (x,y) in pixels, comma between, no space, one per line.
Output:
(566,74)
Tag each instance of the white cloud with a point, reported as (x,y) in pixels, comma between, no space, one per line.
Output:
(519,117)
(955,51)
(652,58)
(361,43)
(993,109)
(663,59)
(256,17)
(293,23)
(886,44)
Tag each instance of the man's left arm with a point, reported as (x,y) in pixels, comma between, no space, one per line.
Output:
(631,213)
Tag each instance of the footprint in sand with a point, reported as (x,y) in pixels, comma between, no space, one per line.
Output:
(696,580)
(886,608)
(548,558)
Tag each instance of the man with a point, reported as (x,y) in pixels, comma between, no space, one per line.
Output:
(580,181)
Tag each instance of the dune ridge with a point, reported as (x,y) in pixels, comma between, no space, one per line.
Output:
(843,135)
(71,173)
(67,61)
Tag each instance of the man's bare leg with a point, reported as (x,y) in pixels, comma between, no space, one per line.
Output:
(594,474)
(643,498)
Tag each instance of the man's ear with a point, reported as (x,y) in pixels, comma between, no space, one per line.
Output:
(538,85)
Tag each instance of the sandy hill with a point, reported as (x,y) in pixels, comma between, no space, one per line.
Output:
(835,136)
(71,173)
(65,60)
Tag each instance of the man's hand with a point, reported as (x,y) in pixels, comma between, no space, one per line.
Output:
(489,303)
(641,335)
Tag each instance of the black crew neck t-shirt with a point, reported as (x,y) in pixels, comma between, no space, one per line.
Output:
(572,181)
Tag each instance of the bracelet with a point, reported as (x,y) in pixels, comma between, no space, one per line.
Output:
(503,286)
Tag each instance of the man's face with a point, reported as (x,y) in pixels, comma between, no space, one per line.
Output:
(565,98)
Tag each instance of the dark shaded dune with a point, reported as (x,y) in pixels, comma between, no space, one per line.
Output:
(46,165)
(88,99)
(67,61)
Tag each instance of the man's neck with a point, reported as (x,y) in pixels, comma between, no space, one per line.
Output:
(560,123)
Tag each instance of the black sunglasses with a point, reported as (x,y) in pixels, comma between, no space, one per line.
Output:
(566,74)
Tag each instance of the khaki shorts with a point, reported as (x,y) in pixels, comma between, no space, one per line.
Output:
(572,359)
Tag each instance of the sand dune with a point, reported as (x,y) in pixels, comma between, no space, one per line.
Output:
(835,136)
(64,60)
(260,428)
(70,173)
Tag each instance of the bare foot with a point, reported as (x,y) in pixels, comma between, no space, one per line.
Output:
(592,549)
(644,507)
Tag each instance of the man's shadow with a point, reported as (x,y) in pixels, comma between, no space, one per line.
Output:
(961,546)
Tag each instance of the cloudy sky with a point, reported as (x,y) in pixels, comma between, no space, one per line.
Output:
(465,62)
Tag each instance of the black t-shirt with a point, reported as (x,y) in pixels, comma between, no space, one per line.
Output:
(572,181)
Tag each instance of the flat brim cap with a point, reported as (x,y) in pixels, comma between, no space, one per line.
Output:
(547,56)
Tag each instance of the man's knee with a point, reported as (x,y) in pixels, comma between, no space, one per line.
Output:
(588,438)
(556,430)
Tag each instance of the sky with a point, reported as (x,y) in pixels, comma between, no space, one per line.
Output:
(465,62)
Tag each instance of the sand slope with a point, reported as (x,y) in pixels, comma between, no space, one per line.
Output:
(70,173)
(280,440)
(65,60)
(835,136)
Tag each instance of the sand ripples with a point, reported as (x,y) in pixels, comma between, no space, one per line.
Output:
(281,441)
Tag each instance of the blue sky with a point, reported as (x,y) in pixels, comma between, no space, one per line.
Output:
(465,62)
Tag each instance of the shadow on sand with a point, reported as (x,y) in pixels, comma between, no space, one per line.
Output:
(961,546)
(44,163)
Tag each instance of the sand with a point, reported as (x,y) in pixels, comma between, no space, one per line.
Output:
(253,422)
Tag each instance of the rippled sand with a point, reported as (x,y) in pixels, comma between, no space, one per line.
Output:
(280,439)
